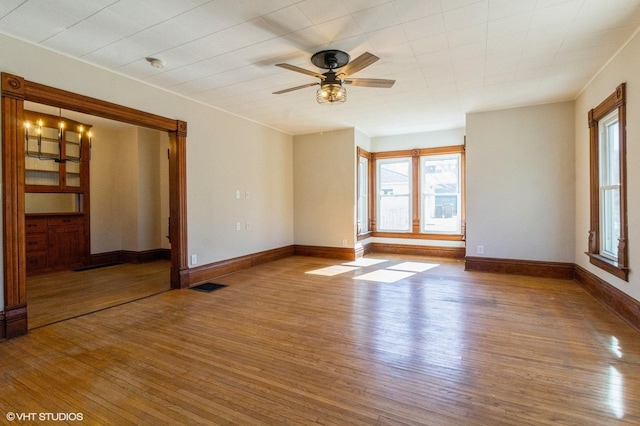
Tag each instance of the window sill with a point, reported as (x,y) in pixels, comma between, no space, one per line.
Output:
(609,266)
(419,236)
(364,235)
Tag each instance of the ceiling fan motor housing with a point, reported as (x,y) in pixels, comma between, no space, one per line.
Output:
(330,59)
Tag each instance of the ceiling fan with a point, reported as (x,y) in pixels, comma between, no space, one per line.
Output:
(340,67)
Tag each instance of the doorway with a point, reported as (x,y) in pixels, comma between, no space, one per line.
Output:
(15,91)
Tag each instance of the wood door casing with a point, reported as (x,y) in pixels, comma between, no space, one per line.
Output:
(15,91)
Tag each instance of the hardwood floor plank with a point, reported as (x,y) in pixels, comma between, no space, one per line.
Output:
(282,346)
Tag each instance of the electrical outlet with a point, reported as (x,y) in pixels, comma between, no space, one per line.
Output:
(194,259)
(237,194)
(246,194)
(480,249)
(238,226)
(344,242)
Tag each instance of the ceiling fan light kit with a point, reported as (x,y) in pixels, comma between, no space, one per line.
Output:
(331,94)
(331,89)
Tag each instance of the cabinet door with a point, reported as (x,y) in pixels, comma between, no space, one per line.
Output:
(66,246)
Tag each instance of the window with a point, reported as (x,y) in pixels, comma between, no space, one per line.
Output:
(441,194)
(419,193)
(609,186)
(394,194)
(363,194)
(608,234)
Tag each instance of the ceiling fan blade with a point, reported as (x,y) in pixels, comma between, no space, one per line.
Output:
(359,63)
(300,70)
(370,82)
(291,89)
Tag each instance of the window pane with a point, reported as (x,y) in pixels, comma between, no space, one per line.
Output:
(613,155)
(394,201)
(441,194)
(363,204)
(610,227)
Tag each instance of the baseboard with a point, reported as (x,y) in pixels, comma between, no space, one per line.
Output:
(145,256)
(15,321)
(625,306)
(217,269)
(128,256)
(342,253)
(3,327)
(534,268)
(103,258)
(416,250)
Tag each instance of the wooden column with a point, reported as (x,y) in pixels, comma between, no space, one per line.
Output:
(415,192)
(15,297)
(178,205)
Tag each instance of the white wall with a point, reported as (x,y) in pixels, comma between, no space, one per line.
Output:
(224,153)
(520,183)
(324,188)
(623,68)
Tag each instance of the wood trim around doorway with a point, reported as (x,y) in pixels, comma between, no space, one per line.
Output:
(15,91)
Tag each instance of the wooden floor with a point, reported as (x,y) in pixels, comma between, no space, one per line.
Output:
(282,346)
(62,295)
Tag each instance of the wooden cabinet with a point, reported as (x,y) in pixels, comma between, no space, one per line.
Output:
(55,242)
(57,152)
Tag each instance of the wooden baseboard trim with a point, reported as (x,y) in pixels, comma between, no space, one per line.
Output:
(145,256)
(128,256)
(560,270)
(15,321)
(625,306)
(342,253)
(224,267)
(416,250)
(104,258)
(3,327)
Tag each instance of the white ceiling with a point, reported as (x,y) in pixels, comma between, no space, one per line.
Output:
(448,57)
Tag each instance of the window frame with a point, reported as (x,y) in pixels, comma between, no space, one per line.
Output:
(363,154)
(618,267)
(416,193)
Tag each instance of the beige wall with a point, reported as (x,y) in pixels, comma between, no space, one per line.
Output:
(324,189)
(520,183)
(129,189)
(623,68)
